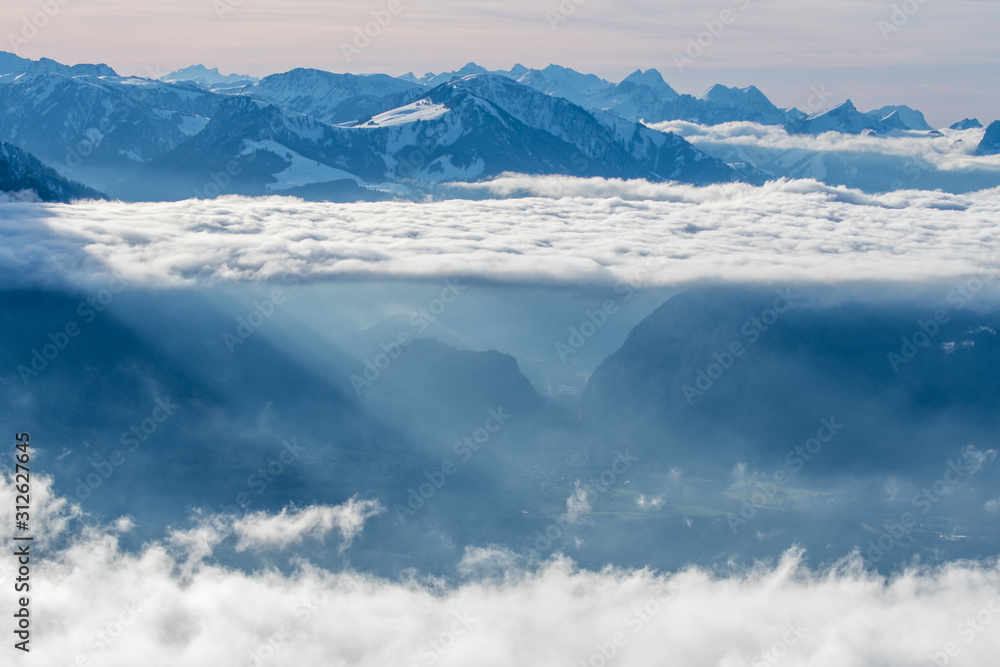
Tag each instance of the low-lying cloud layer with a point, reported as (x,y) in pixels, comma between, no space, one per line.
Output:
(557,230)
(954,149)
(94,603)
(873,164)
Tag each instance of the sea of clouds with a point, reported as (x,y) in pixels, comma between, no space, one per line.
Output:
(552,230)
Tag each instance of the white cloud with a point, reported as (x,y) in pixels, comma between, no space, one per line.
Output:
(261,531)
(880,163)
(288,528)
(954,149)
(115,607)
(599,231)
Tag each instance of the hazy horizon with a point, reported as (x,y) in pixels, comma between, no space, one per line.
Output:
(876,54)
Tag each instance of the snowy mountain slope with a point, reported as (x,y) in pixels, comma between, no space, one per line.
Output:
(600,138)
(320,132)
(14,68)
(474,128)
(846,118)
(300,170)
(647,97)
(990,145)
(11,64)
(431,80)
(586,90)
(748,103)
(253,148)
(420,110)
(966,124)
(95,129)
(334,98)
(911,119)
(640,96)
(470,137)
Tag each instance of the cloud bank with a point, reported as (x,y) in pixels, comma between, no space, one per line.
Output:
(553,230)
(95,603)
(873,164)
(953,150)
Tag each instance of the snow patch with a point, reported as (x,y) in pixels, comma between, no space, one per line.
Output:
(302,170)
(411,113)
(192,125)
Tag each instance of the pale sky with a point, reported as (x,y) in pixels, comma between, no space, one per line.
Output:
(942,59)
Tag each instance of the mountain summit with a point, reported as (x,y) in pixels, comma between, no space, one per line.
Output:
(206,77)
(990,145)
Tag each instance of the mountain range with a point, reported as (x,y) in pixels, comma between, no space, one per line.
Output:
(319,135)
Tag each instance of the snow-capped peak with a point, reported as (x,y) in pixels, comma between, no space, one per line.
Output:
(206,77)
(967,124)
(431,80)
(650,78)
